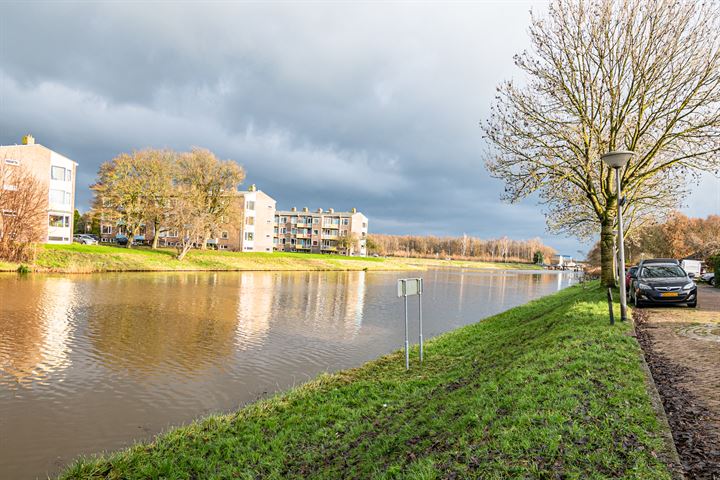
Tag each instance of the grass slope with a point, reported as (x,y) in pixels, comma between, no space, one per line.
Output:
(76,258)
(545,390)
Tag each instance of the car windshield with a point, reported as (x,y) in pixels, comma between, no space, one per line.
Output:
(662,271)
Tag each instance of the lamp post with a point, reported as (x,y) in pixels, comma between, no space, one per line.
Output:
(617,160)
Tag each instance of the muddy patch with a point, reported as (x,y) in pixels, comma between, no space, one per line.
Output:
(686,371)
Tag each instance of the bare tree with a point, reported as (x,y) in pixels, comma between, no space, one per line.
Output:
(120,194)
(607,75)
(187,216)
(23,212)
(214,184)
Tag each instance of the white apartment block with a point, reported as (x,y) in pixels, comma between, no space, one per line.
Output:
(57,174)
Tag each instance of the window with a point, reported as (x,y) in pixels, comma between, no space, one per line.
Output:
(364,225)
(277,219)
(283,219)
(57,196)
(275,230)
(292,241)
(68,198)
(249,220)
(59,220)
(293,220)
(68,175)
(250,205)
(343,233)
(107,230)
(293,231)
(315,232)
(57,173)
(224,235)
(283,241)
(249,236)
(316,220)
(346,221)
(58,239)
(12,161)
(275,241)
(315,242)
(283,230)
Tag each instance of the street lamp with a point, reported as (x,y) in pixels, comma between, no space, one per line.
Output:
(617,160)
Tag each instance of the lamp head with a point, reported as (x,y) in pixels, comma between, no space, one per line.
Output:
(618,158)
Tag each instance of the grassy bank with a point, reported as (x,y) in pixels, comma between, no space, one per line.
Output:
(78,258)
(546,390)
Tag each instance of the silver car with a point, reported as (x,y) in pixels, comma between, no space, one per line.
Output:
(84,239)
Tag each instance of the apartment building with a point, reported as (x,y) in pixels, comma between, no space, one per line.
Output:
(251,232)
(321,231)
(57,175)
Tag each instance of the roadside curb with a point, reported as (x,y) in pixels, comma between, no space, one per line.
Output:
(672,458)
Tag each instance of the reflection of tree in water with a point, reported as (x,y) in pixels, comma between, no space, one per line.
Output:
(185,321)
(35,327)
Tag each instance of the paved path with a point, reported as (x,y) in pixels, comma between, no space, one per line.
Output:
(682,347)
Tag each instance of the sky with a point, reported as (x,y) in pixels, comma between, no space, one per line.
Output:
(325,104)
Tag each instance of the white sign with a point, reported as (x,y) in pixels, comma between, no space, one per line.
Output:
(409,286)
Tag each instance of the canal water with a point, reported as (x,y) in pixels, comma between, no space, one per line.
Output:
(90,363)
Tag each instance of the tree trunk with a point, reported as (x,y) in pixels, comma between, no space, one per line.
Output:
(206,237)
(607,240)
(185,249)
(156,236)
(131,237)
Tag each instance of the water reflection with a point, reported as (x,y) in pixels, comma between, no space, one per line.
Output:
(35,336)
(116,358)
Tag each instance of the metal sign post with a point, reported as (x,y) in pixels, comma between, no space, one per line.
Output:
(407,287)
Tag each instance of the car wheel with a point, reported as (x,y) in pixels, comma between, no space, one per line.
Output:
(693,304)
(636,303)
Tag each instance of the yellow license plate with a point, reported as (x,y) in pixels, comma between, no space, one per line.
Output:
(669,294)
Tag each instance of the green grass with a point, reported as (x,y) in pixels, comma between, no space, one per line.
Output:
(76,258)
(545,390)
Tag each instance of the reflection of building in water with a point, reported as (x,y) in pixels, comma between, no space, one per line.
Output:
(328,304)
(254,308)
(35,333)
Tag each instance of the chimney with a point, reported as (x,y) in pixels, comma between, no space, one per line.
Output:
(28,140)
(305,209)
(319,210)
(353,210)
(293,209)
(331,210)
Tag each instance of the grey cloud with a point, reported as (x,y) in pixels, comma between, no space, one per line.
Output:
(368,105)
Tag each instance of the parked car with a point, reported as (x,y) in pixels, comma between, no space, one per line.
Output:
(121,240)
(708,277)
(631,273)
(662,283)
(84,239)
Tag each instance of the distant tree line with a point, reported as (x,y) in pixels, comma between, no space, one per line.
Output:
(678,237)
(192,194)
(501,249)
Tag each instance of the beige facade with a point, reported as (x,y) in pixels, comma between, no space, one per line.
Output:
(57,174)
(252,232)
(321,231)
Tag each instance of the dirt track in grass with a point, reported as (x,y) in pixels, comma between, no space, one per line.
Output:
(682,348)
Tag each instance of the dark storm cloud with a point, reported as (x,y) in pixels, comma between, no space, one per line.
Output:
(374,106)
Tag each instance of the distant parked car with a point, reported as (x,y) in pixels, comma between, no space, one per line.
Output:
(121,240)
(662,283)
(84,239)
(631,273)
(708,277)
